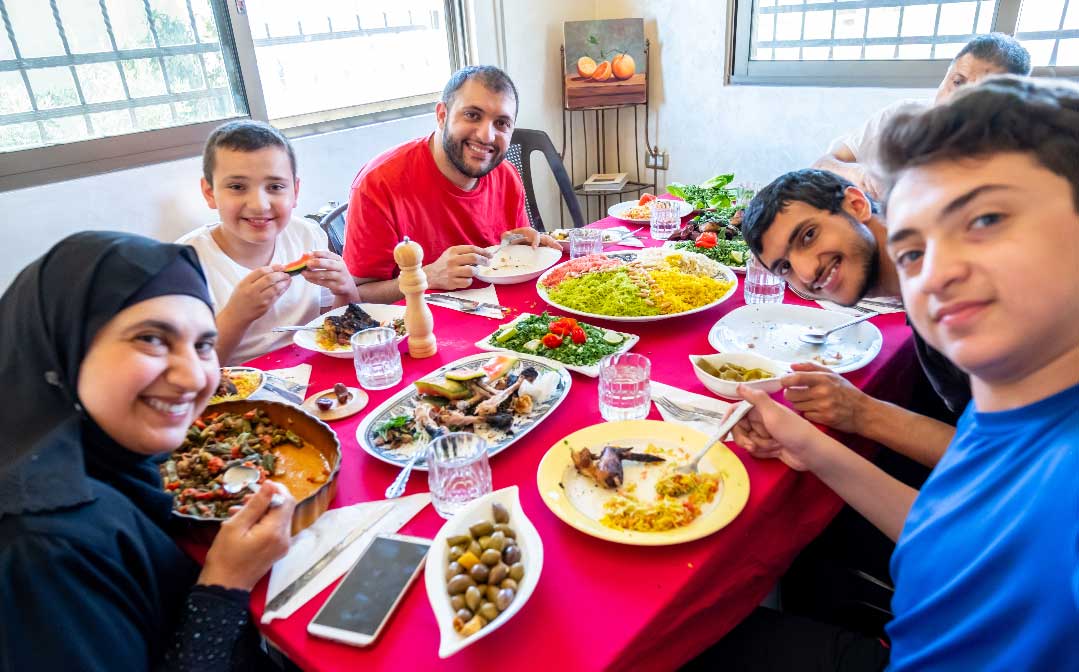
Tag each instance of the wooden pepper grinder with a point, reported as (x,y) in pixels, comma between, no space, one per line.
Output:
(413,282)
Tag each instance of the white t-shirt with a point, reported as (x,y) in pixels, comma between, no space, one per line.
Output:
(298,305)
(864,142)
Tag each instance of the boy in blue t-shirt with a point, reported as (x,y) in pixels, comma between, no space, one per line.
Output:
(983,226)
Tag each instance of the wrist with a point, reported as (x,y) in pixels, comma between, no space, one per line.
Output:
(868,416)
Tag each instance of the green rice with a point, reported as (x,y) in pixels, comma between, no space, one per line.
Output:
(609,292)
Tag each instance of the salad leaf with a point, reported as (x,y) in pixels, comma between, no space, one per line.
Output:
(712,193)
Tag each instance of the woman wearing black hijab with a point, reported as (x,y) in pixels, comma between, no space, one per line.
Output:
(107,348)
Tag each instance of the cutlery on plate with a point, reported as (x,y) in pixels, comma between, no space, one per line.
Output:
(465,304)
(238,477)
(627,236)
(397,488)
(299,328)
(687,411)
(819,337)
(737,414)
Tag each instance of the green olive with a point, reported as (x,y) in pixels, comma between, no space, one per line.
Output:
(504,597)
(473,598)
(459,540)
(474,546)
(500,513)
(508,583)
(489,611)
(517,571)
(459,584)
(453,569)
(492,593)
(506,530)
(473,626)
(481,529)
(498,574)
(497,542)
(464,614)
(456,552)
(458,603)
(491,557)
(511,554)
(479,572)
(485,542)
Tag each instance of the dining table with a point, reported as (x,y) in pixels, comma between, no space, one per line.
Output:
(598,605)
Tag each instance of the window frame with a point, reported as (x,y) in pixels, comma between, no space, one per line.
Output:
(84,158)
(897,73)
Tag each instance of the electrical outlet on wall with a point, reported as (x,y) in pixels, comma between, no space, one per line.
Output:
(654,158)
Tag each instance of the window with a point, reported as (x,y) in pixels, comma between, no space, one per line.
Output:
(92,85)
(891,42)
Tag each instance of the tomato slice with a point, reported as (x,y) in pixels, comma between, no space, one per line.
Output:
(578,335)
(552,341)
(646,198)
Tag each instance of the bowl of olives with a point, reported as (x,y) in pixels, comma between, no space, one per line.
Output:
(482,567)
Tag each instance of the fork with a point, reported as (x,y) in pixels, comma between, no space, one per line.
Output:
(467,305)
(691,414)
(724,428)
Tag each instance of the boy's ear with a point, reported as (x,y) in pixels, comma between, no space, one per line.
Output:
(857,204)
(440,114)
(208,193)
(296,192)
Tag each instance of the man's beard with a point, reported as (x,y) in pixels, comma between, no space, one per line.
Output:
(871,259)
(455,150)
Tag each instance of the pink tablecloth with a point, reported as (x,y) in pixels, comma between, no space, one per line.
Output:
(598,605)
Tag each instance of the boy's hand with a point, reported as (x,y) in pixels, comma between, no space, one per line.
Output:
(258,291)
(251,541)
(534,238)
(771,430)
(328,270)
(824,397)
(455,268)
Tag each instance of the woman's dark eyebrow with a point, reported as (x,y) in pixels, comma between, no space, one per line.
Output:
(160,325)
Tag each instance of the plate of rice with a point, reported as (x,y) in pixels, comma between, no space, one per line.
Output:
(633,211)
(653,505)
(637,286)
(237,382)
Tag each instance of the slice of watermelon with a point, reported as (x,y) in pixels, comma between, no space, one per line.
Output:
(299,265)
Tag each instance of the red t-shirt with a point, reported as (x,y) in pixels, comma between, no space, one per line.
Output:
(402,193)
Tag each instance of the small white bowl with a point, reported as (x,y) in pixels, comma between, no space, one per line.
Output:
(517,263)
(528,540)
(729,388)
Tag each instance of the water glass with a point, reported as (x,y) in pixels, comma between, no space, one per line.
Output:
(761,286)
(665,219)
(377,359)
(744,193)
(583,242)
(623,387)
(457,471)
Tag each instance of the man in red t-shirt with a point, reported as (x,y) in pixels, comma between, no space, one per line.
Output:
(450,192)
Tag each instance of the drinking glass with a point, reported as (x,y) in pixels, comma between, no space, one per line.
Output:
(377,359)
(583,242)
(744,193)
(761,286)
(457,471)
(665,219)
(623,387)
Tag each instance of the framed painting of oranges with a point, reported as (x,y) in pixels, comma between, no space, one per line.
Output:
(606,64)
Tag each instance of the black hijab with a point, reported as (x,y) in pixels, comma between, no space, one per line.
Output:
(48,318)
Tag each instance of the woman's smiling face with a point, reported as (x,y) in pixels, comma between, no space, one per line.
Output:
(150,371)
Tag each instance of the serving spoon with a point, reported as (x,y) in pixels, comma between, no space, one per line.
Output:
(240,476)
(725,427)
(819,337)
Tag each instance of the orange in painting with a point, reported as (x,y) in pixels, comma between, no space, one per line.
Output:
(603,71)
(586,67)
(623,66)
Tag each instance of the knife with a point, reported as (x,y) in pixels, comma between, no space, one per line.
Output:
(436,298)
(296,586)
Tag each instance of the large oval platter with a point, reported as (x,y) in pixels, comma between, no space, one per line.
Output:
(725,274)
(404,403)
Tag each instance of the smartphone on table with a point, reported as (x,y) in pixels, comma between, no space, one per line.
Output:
(362,603)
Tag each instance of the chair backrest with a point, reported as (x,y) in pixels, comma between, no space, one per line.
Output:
(333,223)
(522,144)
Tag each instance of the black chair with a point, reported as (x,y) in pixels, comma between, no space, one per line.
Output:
(333,223)
(522,144)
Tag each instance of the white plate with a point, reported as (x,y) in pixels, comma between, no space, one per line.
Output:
(772,329)
(610,236)
(382,312)
(404,402)
(528,540)
(725,274)
(739,269)
(517,263)
(488,344)
(618,210)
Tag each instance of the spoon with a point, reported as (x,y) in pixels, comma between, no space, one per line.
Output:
(299,328)
(819,337)
(397,488)
(239,477)
(739,412)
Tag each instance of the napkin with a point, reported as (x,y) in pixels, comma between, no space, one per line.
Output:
(633,241)
(483,295)
(312,543)
(881,305)
(680,396)
(285,384)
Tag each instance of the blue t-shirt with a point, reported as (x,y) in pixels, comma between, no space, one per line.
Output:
(987,566)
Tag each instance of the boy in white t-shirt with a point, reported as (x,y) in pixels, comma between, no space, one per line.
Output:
(249,177)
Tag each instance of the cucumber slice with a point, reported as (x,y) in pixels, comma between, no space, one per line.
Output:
(532,345)
(506,335)
(612,337)
(464,374)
